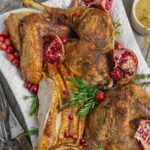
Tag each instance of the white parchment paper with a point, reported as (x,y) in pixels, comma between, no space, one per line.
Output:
(13,77)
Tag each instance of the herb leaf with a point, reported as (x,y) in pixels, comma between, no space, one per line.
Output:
(117,30)
(139,77)
(26,97)
(32,131)
(84,98)
(34,105)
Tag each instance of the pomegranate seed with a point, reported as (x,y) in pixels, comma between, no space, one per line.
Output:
(64,40)
(2,38)
(125,54)
(10,56)
(7,42)
(103,87)
(100,96)
(56,47)
(67,135)
(118,46)
(28,85)
(65,92)
(9,49)
(120,63)
(16,54)
(82,141)
(34,89)
(116,58)
(5,34)
(3,46)
(16,62)
(70,117)
(126,71)
(78,14)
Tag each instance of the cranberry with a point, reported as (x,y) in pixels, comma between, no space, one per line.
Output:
(16,62)
(9,49)
(70,117)
(65,92)
(7,42)
(82,141)
(118,46)
(28,85)
(70,73)
(34,89)
(64,40)
(103,87)
(100,96)
(5,34)
(10,56)
(67,135)
(78,14)
(16,54)
(2,38)
(3,46)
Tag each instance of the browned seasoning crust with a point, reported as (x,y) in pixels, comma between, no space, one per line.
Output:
(123,109)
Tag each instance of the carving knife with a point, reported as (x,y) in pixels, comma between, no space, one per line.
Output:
(16,119)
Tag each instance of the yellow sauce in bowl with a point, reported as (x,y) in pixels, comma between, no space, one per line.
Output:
(142,12)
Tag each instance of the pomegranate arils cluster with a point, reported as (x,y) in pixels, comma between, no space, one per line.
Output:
(108,5)
(125,66)
(143,134)
(53,49)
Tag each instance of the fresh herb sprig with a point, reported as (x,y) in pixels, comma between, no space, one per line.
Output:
(99,148)
(84,98)
(32,131)
(142,76)
(117,30)
(34,105)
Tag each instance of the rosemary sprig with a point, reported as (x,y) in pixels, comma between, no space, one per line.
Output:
(84,98)
(142,76)
(34,106)
(99,148)
(117,30)
(32,131)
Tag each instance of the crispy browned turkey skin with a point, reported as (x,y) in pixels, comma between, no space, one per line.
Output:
(34,28)
(87,56)
(122,110)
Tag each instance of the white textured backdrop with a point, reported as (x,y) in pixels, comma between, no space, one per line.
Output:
(17,85)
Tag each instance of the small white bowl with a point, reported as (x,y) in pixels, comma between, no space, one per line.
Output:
(137,25)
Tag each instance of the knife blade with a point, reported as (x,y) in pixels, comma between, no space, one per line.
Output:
(16,119)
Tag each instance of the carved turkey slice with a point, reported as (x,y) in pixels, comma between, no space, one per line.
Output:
(56,130)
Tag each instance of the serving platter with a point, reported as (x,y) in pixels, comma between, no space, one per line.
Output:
(13,76)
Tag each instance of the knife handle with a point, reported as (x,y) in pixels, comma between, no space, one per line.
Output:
(24,142)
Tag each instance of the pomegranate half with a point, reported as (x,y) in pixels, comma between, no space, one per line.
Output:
(104,4)
(53,49)
(125,68)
